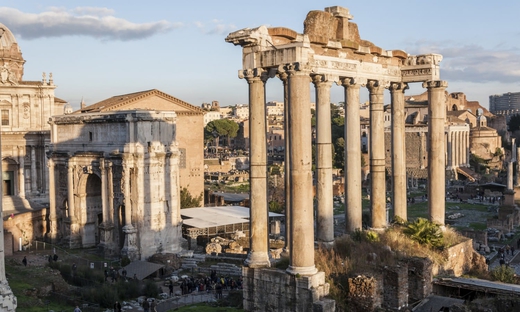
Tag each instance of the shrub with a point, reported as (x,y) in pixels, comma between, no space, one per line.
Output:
(424,232)
(503,274)
(151,290)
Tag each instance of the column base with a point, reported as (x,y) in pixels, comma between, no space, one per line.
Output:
(130,248)
(257,260)
(305,271)
(8,300)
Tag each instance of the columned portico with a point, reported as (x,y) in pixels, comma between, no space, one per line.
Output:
(377,154)
(353,208)
(258,255)
(302,235)
(436,163)
(324,194)
(398,150)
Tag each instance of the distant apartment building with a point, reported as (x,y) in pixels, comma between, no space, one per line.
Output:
(242,112)
(210,116)
(507,104)
(274,108)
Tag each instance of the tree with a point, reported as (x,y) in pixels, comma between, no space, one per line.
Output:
(220,128)
(188,201)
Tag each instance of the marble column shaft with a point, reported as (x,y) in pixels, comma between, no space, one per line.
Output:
(300,138)
(324,193)
(287,176)
(34,188)
(21,171)
(70,190)
(52,199)
(377,154)
(128,199)
(110,217)
(104,190)
(353,207)
(259,237)
(436,163)
(398,150)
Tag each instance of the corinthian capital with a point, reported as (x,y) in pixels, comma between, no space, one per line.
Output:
(352,82)
(435,84)
(252,74)
(293,68)
(374,85)
(398,86)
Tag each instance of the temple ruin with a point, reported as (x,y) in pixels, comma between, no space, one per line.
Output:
(329,51)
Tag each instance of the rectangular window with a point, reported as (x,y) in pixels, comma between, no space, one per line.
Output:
(5,117)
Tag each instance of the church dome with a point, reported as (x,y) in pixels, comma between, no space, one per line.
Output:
(11,59)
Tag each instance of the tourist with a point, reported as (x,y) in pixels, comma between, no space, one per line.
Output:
(117,307)
(153,306)
(146,305)
(106,275)
(77,309)
(24,261)
(170,287)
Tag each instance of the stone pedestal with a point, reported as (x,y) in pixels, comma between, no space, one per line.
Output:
(274,290)
(74,239)
(130,248)
(106,245)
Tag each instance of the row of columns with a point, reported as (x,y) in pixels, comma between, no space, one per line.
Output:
(299,198)
(457,143)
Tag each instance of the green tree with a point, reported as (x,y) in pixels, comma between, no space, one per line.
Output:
(514,123)
(188,201)
(216,129)
(503,274)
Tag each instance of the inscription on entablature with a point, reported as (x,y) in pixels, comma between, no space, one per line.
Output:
(416,72)
(372,68)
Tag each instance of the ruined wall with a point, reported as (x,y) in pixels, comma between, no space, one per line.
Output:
(395,291)
(275,290)
(419,278)
(365,293)
(28,226)
(460,259)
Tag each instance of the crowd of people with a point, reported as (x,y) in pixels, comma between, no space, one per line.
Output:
(208,283)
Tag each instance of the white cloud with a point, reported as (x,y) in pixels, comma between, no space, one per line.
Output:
(474,63)
(215,27)
(83,21)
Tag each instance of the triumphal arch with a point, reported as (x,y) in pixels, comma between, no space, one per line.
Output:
(329,51)
(114,179)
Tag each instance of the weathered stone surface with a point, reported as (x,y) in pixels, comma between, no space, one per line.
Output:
(213,248)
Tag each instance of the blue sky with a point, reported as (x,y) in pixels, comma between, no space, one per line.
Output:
(98,49)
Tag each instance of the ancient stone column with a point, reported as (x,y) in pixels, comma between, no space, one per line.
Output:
(110,217)
(53,230)
(510,175)
(287,177)
(324,193)
(300,138)
(8,302)
(104,184)
(259,237)
(436,165)
(398,150)
(517,167)
(70,190)
(450,151)
(353,208)
(21,172)
(377,154)
(129,248)
(34,188)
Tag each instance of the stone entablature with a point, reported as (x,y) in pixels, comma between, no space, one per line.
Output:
(117,174)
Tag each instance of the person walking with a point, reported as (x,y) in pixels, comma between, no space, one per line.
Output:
(153,306)
(77,309)
(24,261)
(170,287)
(146,305)
(117,307)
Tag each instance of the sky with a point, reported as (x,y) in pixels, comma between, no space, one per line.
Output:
(99,49)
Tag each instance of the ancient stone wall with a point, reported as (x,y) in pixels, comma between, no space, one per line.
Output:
(419,278)
(460,259)
(395,291)
(365,293)
(275,290)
